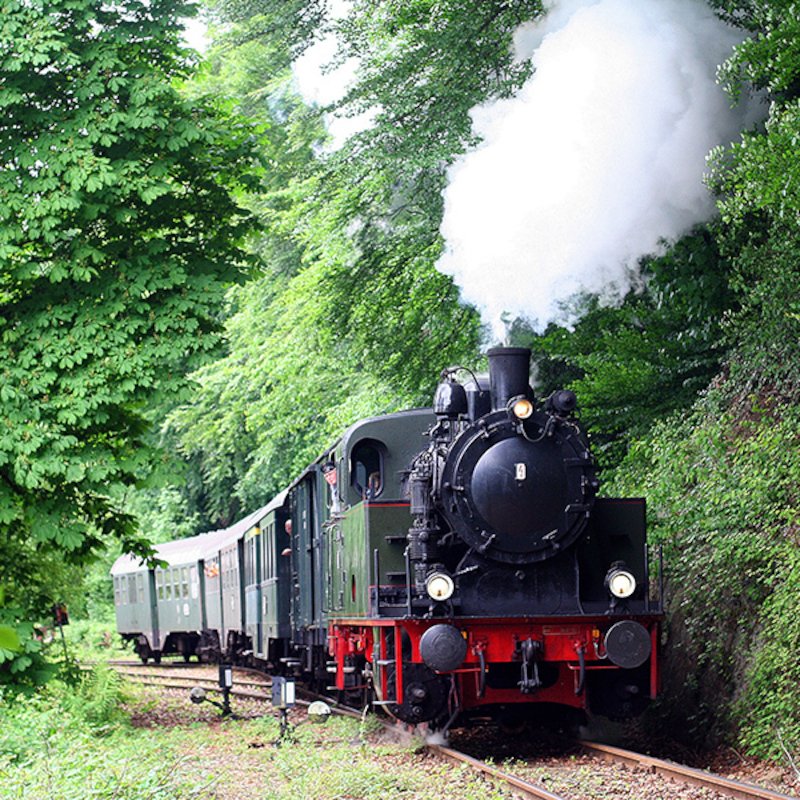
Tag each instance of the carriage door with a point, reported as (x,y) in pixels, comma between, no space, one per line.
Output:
(303,525)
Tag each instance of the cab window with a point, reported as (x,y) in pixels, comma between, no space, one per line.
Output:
(366,471)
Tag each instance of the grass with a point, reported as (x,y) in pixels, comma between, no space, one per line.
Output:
(109,740)
(50,750)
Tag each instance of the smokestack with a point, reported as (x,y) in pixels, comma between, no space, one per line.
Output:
(509,374)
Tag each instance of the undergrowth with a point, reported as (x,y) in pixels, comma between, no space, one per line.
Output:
(90,641)
(723,490)
(75,742)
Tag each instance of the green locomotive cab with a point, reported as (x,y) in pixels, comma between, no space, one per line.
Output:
(347,521)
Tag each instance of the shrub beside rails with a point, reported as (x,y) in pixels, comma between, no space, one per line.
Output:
(446,564)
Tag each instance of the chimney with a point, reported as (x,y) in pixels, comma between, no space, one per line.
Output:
(509,375)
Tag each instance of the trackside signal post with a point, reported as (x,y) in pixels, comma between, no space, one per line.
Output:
(60,619)
(283,698)
(198,694)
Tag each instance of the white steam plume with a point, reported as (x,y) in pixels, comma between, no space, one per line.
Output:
(598,158)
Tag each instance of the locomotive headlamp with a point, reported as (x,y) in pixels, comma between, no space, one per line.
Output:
(620,582)
(439,586)
(522,408)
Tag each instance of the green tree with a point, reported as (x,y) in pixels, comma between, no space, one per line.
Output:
(120,234)
(358,321)
(758,183)
(638,362)
(722,480)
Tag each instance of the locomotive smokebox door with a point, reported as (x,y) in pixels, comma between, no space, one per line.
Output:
(516,494)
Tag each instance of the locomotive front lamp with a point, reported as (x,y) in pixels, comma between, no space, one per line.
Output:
(522,408)
(620,582)
(439,586)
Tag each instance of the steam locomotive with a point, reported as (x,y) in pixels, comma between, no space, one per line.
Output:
(446,565)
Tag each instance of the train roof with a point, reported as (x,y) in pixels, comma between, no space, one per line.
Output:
(195,548)
(240,528)
(352,430)
(180,551)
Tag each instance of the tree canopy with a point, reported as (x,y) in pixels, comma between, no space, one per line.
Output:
(131,184)
(360,321)
(121,232)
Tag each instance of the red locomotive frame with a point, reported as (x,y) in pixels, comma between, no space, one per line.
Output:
(489,641)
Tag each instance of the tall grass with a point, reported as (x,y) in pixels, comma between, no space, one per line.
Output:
(75,743)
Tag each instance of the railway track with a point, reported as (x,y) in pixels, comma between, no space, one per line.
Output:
(188,676)
(682,774)
(678,780)
(516,784)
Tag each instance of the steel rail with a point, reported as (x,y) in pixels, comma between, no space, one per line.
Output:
(168,682)
(524,787)
(200,679)
(682,774)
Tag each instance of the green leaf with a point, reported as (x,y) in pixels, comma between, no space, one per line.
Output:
(9,641)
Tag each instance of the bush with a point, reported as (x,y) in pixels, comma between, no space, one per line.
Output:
(721,484)
(50,746)
(91,641)
(97,701)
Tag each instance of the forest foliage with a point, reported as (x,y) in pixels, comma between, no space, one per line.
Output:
(120,236)
(201,222)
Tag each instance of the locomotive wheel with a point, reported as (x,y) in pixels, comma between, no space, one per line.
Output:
(425,694)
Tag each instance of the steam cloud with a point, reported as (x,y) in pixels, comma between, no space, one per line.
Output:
(598,158)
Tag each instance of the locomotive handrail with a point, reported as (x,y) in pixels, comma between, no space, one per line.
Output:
(582,666)
(482,681)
